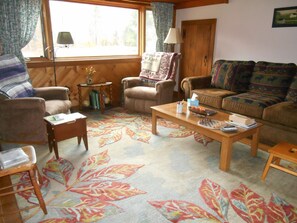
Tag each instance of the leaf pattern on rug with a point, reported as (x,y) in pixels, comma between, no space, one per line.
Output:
(92,164)
(115,172)
(29,195)
(96,187)
(137,127)
(83,209)
(278,210)
(176,211)
(215,197)
(59,170)
(247,204)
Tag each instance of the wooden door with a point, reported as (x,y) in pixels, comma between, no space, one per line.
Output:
(197,47)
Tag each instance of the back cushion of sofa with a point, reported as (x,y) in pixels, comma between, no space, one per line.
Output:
(272,78)
(232,75)
(292,92)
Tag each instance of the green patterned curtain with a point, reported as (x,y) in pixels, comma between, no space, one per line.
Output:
(18,20)
(163,18)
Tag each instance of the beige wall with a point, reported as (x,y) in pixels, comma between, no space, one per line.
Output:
(244,30)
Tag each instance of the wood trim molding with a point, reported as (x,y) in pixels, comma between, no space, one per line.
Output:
(198,3)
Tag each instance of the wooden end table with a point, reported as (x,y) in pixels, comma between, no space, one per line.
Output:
(72,125)
(168,112)
(101,88)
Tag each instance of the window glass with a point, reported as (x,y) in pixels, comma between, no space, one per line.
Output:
(150,32)
(96,30)
(35,47)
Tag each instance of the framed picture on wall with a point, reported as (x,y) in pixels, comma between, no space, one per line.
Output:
(285,17)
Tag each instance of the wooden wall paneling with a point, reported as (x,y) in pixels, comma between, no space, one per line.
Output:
(72,75)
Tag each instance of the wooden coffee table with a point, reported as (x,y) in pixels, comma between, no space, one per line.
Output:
(189,120)
(73,125)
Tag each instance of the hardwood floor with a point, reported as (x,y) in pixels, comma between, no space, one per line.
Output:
(8,205)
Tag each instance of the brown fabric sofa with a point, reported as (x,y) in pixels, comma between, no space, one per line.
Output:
(265,91)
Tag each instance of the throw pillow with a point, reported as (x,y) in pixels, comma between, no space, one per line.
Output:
(272,78)
(14,78)
(232,75)
(292,92)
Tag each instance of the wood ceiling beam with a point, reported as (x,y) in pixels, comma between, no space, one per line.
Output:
(197,3)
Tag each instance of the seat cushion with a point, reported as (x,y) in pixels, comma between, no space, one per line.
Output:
(250,104)
(292,92)
(14,78)
(283,113)
(53,107)
(141,92)
(212,96)
(272,78)
(232,75)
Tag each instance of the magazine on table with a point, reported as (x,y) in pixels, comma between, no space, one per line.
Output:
(63,118)
(12,157)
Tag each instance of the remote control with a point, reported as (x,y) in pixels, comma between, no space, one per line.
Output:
(229,129)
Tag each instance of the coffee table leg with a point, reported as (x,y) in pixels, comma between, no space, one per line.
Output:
(226,153)
(255,141)
(154,123)
(78,140)
(85,138)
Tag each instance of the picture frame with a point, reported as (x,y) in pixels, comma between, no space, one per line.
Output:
(285,17)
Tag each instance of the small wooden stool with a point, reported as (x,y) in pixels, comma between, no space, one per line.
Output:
(281,151)
(31,168)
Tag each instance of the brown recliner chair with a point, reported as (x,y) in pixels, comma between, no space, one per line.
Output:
(154,85)
(23,107)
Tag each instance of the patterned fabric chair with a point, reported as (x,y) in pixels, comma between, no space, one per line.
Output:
(23,107)
(155,84)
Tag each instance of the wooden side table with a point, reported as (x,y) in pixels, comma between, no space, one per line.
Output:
(281,151)
(101,88)
(72,125)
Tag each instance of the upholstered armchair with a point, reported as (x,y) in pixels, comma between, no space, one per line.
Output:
(23,107)
(154,85)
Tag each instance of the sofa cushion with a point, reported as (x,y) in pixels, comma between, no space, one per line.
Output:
(283,113)
(14,77)
(292,92)
(212,96)
(140,92)
(272,78)
(232,75)
(250,104)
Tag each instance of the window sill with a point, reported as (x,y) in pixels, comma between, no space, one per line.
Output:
(73,61)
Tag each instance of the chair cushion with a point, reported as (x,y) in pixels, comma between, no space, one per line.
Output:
(140,92)
(14,78)
(53,107)
(158,66)
(283,113)
(232,75)
(250,104)
(212,96)
(292,92)
(272,78)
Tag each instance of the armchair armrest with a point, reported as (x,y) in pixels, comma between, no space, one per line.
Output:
(129,82)
(191,83)
(21,119)
(165,91)
(52,93)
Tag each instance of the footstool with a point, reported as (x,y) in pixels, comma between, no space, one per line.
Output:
(282,151)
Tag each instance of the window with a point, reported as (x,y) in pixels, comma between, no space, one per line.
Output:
(150,32)
(35,47)
(96,30)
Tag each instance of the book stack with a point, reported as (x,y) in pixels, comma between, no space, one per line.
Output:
(12,157)
(242,121)
(94,99)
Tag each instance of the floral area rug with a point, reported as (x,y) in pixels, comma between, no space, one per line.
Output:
(129,175)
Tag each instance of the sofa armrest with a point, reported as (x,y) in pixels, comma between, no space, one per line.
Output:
(129,82)
(190,83)
(52,93)
(21,119)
